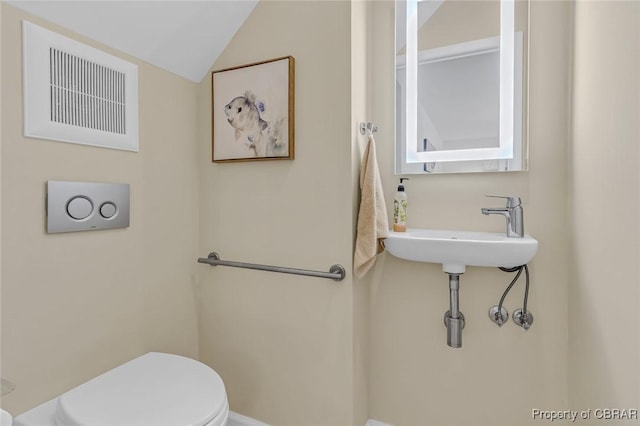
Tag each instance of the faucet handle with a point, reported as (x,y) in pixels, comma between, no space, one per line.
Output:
(511,201)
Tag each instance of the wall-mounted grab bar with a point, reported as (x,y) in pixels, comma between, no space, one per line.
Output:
(336,272)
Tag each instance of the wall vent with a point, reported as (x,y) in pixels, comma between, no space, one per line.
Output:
(86,94)
(75,93)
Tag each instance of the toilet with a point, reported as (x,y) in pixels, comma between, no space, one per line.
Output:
(154,389)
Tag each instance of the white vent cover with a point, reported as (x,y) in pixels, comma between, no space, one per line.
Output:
(75,93)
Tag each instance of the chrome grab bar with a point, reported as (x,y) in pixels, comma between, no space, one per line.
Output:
(336,272)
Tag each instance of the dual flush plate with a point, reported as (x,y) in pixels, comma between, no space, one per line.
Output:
(86,206)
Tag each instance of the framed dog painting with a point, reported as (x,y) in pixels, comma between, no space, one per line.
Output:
(253,111)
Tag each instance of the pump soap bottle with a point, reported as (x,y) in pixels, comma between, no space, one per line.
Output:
(400,208)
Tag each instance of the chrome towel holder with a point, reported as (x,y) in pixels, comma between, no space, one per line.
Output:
(336,272)
(367,126)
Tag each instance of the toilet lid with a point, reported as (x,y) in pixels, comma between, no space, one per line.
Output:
(154,389)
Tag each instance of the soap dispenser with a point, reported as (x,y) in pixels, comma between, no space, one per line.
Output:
(400,208)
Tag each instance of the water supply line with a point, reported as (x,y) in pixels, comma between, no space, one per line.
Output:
(522,317)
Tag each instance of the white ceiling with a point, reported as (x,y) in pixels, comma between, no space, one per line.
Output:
(184,37)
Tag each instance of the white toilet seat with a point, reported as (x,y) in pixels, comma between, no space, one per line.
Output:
(220,419)
(154,389)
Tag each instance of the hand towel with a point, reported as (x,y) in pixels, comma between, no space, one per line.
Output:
(373,224)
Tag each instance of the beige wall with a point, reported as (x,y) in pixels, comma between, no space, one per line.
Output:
(284,343)
(604,348)
(306,351)
(361,33)
(75,305)
(499,374)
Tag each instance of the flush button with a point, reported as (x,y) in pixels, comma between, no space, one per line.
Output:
(108,210)
(86,206)
(79,207)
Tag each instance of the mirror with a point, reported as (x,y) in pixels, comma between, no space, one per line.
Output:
(460,86)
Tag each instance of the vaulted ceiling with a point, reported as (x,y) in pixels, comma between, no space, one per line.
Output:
(184,37)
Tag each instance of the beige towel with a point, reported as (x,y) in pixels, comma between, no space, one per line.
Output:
(373,224)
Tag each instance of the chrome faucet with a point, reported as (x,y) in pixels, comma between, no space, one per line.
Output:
(512,212)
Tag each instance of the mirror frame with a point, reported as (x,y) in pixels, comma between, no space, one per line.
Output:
(508,54)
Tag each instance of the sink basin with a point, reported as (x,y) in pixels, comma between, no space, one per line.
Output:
(457,249)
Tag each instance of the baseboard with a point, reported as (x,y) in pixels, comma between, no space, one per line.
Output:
(246,421)
(376,423)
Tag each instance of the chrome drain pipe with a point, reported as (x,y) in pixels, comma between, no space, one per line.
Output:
(453,318)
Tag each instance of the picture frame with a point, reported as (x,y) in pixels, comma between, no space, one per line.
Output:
(253,111)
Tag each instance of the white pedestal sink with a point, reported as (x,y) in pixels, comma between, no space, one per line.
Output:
(457,249)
